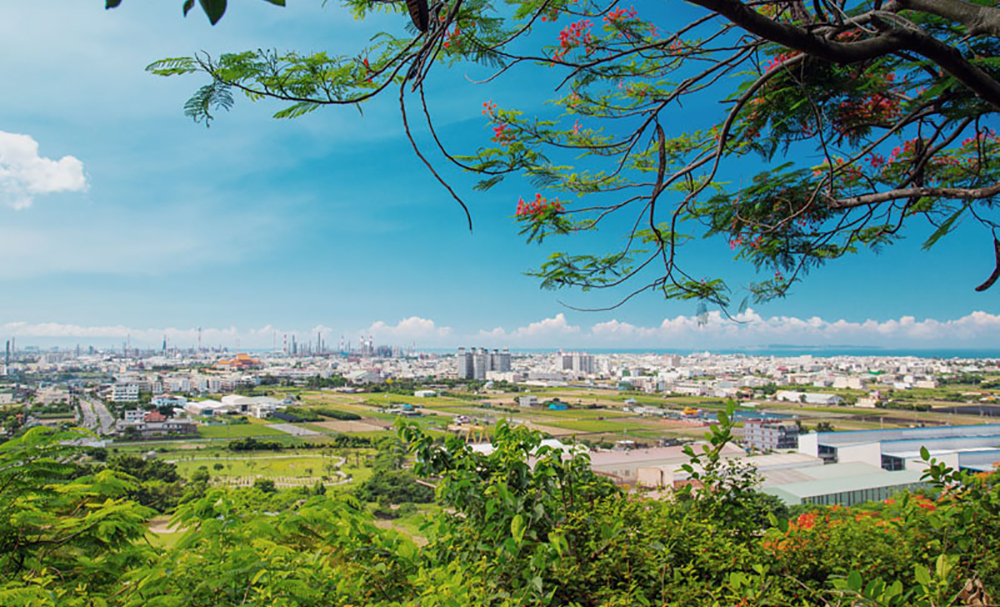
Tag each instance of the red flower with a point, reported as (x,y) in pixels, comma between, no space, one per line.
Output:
(538,207)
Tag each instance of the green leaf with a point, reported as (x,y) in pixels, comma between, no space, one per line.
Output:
(188,5)
(921,574)
(256,578)
(517,528)
(111,4)
(944,565)
(854,581)
(557,542)
(946,226)
(214,9)
(925,454)
(276,2)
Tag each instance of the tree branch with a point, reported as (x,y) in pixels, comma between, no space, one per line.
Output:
(978,20)
(844,53)
(903,193)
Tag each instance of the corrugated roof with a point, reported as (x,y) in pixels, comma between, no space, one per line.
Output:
(844,469)
(651,456)
(843,484)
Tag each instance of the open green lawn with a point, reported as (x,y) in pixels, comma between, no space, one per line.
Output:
(271,465)
(237,431)
(582,413)
(591,425)
(161,535)
(694,401)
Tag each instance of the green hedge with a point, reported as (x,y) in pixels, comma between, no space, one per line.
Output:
(334,414)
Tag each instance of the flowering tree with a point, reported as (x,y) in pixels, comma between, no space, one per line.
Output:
(866,116)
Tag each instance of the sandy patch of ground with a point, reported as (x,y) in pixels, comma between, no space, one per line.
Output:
(552,430)
(161,524)
(294,430)
(419,540)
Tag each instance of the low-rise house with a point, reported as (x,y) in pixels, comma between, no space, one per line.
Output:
(766,435)
(204,407)
(811,398)
(168,400)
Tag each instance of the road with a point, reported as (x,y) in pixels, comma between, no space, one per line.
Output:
(96,416)
(87,415)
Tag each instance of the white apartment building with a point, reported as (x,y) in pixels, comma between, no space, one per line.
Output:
(770,435)
(125,393)
(475,363)
(135,416)
(579,362)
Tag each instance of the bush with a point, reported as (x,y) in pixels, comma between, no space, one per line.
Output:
(200,475)
(265,484)
(335,413)
(342,441)
(300,415)
(252,444)
(394,487)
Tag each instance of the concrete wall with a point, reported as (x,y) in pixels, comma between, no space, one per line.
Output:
(809,444)
(869,453)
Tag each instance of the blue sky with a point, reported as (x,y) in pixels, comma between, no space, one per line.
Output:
(143,223)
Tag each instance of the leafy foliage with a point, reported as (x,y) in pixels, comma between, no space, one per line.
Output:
(394,487)
(66,532)
(523,525)
(157,483)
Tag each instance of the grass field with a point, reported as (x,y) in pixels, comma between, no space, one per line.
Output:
(272,465)
(199,444)
(593,425)
(581,413)
(160,535)
(237,431)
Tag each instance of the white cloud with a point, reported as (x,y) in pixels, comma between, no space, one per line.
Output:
(978,329)
(548,332)
(24,174)
(407,330)
(230,337)
(748,329)
(554,326)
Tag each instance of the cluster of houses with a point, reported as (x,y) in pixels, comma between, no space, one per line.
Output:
(126,388)
(235,404)
(150,424)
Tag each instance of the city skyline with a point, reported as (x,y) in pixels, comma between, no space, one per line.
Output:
(748,330)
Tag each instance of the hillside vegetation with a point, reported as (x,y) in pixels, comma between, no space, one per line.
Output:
(506,534)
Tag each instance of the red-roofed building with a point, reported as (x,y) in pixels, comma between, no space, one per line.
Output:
(154,417)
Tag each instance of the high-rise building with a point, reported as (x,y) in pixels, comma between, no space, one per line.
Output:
(481,363)
(501,361)
(465,364)
(581,362)
(475,363)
